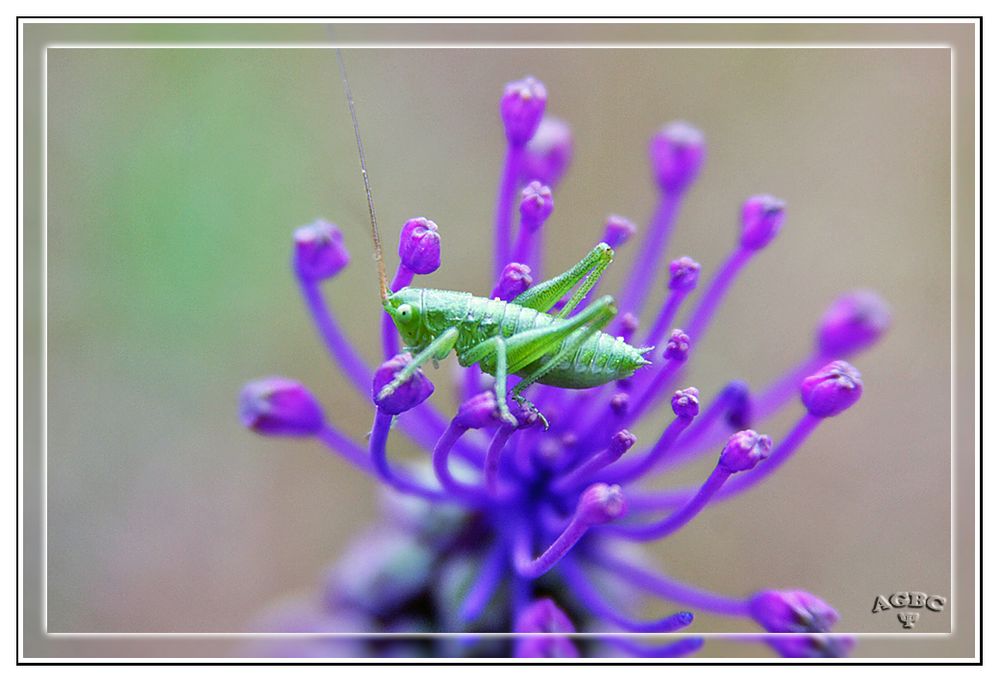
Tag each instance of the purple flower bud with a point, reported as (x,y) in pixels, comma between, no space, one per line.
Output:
(549,152)
(621,442)
(792,611)
(420,246)
(521,109)
(276,406)
(812,645)
(744,450)
(677,151)
(514,281)
(619,404)
(685,402)
(618,230)
(739,407)
(479,411)
(410,394)
(678,346)
(543,616)
(600,504)
(319,251)
(832,390)
(684,274)
(762,219)
(536,204)
(853,322)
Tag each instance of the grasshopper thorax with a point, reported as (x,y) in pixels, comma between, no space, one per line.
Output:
(404,307)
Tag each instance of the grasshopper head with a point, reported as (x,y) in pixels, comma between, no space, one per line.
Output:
(404,309)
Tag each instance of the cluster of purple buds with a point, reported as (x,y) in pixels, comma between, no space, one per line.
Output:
(519,529)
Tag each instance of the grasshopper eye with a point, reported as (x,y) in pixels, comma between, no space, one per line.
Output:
(405,312)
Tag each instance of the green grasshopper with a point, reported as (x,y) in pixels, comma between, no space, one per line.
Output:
(526,336)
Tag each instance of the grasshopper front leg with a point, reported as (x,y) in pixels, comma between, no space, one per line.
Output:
(438,349)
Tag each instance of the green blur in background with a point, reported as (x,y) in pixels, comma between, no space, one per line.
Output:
(175,179)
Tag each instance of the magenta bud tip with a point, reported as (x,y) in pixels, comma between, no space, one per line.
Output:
(515,280)
(277,406)
(676,152)
(678,346)
(521,107)
(832,390)
(618,230)
(479,411)
(744,450)
(684,274)
(853,322)
(762,219)
(685,402)
(792,611)
(407,395)
(536,204)
(600,504)
(420,246)
(319,251)
(549,152)
(621,442)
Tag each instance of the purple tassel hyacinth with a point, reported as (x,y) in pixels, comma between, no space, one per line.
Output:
(512,528)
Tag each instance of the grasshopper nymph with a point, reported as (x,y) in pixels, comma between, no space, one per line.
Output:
(526,336)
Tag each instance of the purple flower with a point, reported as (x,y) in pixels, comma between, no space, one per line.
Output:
(549,153)
(744,450)
(319,251)
(792,611)
(684,273)
(420,246)
(514,281)
(276,406)
(832,390)
(509,522)
(618,230)
(521,109)
(536,204)
(677,152)
(853,322)
(762,219)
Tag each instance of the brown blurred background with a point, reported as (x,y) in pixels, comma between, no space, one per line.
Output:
(175,179)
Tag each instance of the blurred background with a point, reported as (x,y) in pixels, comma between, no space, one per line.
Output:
(175,178)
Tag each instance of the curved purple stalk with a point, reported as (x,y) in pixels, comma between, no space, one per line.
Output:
(380,461)
(352,452)
(505,206)
(716,292)
(581,588)
(532,568)
(652,251)
(485,585)
(665,317)
(680,517)
(672,590)
(439,459)
(640,465)
(781,453)
(491,466)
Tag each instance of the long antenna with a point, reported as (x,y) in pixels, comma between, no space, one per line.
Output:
(376,239)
